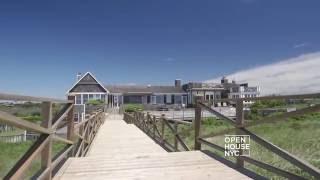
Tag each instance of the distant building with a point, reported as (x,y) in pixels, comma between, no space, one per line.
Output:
(88,88)
(223,90)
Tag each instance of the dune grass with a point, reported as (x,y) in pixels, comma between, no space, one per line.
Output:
(10,153)
(299,136)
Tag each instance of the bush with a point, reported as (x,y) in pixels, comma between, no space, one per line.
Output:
(95,102)
(133,107)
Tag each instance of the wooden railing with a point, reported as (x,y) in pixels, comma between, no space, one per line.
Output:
(241,129)
(78,137)
(155,128)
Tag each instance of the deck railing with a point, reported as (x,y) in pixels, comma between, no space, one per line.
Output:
(78,137)
(155,128)
(150,125)
(240,127)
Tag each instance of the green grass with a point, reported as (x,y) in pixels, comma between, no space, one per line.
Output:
(11,152)
(299,136)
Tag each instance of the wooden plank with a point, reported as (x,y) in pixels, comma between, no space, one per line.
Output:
(181,165)
(271,168)
(60,139)
(25,161)
(70,120)
(271,119)
(61,115)
(197,122)
(47,149)
(239,123)
(284,154)
(22,124)
(218,114)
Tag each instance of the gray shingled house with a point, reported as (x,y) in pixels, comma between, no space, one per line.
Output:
(88,87)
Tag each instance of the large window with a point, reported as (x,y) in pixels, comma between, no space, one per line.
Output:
(103,97)
(160,99)
(178,99)
(78,99)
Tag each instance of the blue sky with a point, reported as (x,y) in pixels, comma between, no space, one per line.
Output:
(43,44)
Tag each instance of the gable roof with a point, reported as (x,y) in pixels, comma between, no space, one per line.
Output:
(88,80)
(128,89)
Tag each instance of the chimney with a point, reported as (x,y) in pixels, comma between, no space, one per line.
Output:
(79,76)
(177,83)
(224,80)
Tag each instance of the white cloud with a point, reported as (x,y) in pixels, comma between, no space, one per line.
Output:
(292,76)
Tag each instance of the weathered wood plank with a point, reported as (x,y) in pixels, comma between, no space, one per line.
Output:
(22,124)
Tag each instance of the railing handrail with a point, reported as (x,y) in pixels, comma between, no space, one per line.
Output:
(240,128)
(47,131)
(148,124)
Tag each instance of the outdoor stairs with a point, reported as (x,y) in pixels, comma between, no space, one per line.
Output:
(123,151)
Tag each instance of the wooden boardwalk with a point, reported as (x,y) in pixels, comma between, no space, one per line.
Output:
(122,151)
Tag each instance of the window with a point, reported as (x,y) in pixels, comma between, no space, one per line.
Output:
(211,97)
(85,98)
(207,97)
(90,96)
(78,99)
(76,117)
(160,99)
(153,100)
(177,99)
(97,96)
(168,98)
(103,97)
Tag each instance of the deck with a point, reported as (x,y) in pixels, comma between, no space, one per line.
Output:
(122,151)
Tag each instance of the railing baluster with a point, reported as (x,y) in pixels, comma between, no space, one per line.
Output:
(197,122)
(70,122)
(46,154)
(154,126)
(162,119)
(239,123)
(175,137)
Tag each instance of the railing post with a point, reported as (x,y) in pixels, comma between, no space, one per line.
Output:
(148,122)
(240,123)
(154,127)
(162,128)
(175,136)
(70,121)
(46,154)
(197,122)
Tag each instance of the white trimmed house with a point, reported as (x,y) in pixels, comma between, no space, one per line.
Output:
(85,89)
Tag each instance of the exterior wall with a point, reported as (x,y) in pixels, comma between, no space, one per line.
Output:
(156,98)
(208,95)
(244,92)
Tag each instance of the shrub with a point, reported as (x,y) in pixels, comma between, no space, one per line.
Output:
(133,107)
(95,102)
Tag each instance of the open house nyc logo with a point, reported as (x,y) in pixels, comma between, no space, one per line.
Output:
(237,145)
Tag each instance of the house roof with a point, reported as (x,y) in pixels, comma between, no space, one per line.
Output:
(87,83)
(143,89)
